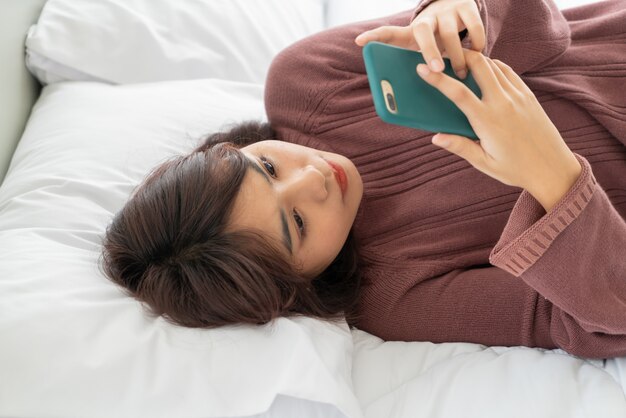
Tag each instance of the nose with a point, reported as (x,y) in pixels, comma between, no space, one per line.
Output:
(308,184)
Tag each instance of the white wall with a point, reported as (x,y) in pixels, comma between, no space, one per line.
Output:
(343,11)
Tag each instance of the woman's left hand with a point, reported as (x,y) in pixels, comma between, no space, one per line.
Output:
(435,30)
(519,145)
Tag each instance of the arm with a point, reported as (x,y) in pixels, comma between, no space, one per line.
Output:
(487,305)
(558,282)
(573,255)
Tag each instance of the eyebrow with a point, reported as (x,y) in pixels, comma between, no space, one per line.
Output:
(283,218)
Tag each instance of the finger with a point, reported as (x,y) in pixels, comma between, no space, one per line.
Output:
(469,150)
(394,35)
(424,33)
(512,76)
(502,79)
(453,89)
(484,76)
(449,33)
(475,28)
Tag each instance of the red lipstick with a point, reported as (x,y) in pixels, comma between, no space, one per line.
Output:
(340,176)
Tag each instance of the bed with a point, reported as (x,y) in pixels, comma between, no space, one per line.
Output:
(106,90)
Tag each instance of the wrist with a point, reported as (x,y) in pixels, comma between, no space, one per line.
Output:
(549,189)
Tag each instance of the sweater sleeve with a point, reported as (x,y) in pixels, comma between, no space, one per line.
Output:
(487,305)
(559,281)
(574,257)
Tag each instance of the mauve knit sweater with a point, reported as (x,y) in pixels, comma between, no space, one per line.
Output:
(449,253)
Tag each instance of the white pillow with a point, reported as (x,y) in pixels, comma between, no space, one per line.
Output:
(71,342)
(128,41)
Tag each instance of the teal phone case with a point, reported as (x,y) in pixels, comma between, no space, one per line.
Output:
(418,104)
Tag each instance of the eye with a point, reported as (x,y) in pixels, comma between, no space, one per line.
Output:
(268,166)
(299,220)
(300,223)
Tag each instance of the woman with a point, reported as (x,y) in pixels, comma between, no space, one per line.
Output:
(517,239)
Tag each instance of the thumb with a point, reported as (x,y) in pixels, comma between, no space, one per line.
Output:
(394,35)
(463,147)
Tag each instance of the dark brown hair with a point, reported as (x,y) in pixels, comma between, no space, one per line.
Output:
(168,247)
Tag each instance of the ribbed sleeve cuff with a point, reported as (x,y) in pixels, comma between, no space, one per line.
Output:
(530,231)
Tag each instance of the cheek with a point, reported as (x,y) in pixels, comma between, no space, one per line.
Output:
(324,243)
(334,233)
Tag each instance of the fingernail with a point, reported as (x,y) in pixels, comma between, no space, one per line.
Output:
(439,141)
(462,74)
(423,70)
(436,65)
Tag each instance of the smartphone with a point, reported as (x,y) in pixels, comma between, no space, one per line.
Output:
(402,97)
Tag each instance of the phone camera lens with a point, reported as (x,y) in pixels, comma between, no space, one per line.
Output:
(391,101)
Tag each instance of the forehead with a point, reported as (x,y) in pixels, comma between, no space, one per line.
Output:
(272,145)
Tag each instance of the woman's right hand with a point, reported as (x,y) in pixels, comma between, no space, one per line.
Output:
(435,30)
(519,145)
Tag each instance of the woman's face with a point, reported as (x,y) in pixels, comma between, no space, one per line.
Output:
(294,194)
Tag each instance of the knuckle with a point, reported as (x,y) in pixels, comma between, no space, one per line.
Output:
(507,104)
(468,53)
(501,64)
(528,96)
(458,94)
(422,25)
(455,148)
(448,34)
(518,96)
(473,57)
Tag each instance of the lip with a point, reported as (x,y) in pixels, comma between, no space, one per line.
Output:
(340,176)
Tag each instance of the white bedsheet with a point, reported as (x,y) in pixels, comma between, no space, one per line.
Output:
(422,379)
